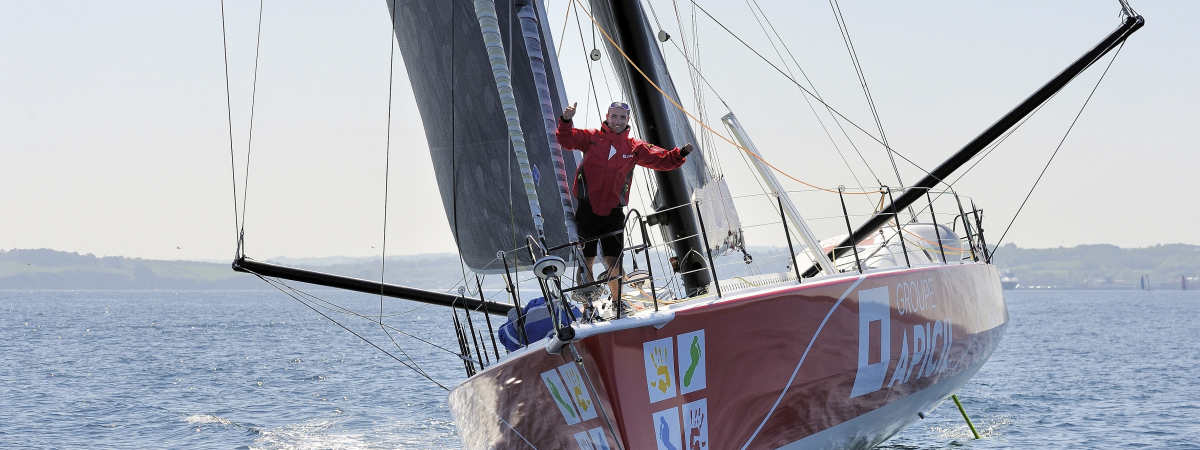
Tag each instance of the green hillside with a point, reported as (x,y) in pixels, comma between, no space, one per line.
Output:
(49,269)
(1085,266)
(1102,266)
(43,269)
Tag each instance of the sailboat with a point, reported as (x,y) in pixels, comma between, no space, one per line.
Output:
(859,337)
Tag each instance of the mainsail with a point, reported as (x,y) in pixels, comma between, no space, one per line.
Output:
(492,195)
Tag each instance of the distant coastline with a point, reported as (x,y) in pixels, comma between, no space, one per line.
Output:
(1105,267)
(46,269)
(1102,267)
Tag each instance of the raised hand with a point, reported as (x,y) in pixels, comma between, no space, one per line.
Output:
(694,442)
(570,111)
(685,150)
(573,380)
(659,359)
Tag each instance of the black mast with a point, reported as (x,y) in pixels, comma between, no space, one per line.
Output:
(632,31)
(918,190)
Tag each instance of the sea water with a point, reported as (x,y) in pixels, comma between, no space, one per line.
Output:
(260,370)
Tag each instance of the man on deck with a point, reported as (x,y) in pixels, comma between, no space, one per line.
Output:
(602,182)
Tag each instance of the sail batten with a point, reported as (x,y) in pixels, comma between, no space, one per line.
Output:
(489,27)
(533,47)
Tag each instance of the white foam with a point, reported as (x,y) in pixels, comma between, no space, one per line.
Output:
(312,434)
(208,418)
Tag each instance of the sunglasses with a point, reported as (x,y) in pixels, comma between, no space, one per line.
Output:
(624,106)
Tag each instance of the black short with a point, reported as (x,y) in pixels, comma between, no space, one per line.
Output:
(591,225)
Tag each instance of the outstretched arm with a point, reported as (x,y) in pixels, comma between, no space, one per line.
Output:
(569,137)
(658,158)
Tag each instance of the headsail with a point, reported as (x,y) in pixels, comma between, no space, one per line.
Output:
(477,172)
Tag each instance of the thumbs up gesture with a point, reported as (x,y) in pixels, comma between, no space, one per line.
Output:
(569,112)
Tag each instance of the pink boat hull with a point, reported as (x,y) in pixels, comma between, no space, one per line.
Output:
(842,363)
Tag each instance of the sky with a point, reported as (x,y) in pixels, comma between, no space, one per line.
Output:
(115,131)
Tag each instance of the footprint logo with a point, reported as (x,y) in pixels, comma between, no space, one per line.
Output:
(691,370)
(558,397)
(659,359)
(664,432)
(573,380)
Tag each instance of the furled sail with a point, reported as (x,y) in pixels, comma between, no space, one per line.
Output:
(493,196)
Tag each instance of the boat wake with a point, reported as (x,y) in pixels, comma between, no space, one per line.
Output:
(990,426)
(312,434)
(327,433)
(203,419)
(987,427)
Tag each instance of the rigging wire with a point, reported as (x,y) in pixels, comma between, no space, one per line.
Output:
(387,155)
(368,341)
(250,139)
(558,52)
(862,79)
(693,117)
(453,155)
(693,54)
(603,74)
(1060,144)
(240,219)
(832,141)
(993,146)
(591,80)
(232,158)
(806,91)
(333,307)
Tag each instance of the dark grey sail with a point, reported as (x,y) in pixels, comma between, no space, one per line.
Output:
(481,185)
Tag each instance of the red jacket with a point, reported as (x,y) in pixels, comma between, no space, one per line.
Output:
(606,173)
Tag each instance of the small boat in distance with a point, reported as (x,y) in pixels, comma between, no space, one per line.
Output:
(1008,281)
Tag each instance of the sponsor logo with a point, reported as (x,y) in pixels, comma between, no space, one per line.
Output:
(695,425)
(592,439)
(579,393)
(560,395)
(925,354)
(691,362)
(931,345)
(660,369)
(873,307)
(666,429)
(686,427)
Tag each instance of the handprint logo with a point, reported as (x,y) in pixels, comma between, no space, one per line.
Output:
(691,370)
(558,397)
(696,419)
(664,432)
(573,380)
(659,359)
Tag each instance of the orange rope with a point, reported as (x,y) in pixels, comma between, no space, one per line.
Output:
(685,111)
